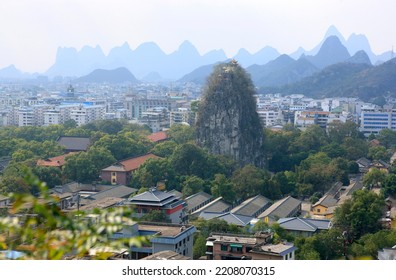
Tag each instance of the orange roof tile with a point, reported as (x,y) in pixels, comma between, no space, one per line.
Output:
(58,161)
(134,163)
(158,136)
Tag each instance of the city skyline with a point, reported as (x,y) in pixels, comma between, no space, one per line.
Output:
(33,30)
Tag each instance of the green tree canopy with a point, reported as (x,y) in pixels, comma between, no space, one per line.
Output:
(374,178)
(369,244)
(360,215)
(339,131)
(221,186)
(192,185)
(181,133)
(250,181)
(164,149)
(122,146)
(389,185)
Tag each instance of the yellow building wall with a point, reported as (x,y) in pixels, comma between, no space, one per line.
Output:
(319,210)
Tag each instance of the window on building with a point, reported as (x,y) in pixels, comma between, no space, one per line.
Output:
(224,247)
(318,210)
(286,257)
(236,249)
(113,173)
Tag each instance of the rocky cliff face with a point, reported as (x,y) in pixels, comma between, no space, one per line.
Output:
(227,121)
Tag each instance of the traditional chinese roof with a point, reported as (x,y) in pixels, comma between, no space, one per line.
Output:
(57,161)
(130,164)
(158,136)
(74,143)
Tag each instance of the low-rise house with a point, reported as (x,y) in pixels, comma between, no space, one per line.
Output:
(4,201)
(157,137)
(304,227)
(380,165)
(162,237)
(114,191)
(103,203)
(121,172)
(222,246)
(284,208)
(58,161)
(280,251)
(74,143)
(230,218)
(166,255)
(364,164)
(321,207)
(253,206)
(374,143)
(393,158)
(387,253)
(167,203)
(65,200)
(74,195)
(216,206)
(196,201)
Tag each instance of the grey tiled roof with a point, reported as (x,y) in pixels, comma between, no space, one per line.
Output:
(74,187)
(117,191)
(74,143)
(154,198)
(320,224)
(102,203)
(326,201)
(197,199)
(154,195)
(252,206)
(238,220)
(176,193)
(363,162)
(218,205)
(275,249)
(358,185)
(301,224)
(209,215)
(282,208)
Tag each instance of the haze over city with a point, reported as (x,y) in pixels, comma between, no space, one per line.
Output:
(31,31)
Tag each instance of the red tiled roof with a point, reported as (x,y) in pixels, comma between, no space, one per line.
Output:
(134,163)
(58,161)
(158,136)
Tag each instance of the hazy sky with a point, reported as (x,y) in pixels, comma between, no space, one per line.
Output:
(32,30)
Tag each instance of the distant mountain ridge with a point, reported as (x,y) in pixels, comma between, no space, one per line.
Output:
(145,59)
(331,52)
(281,71)
(149,58)
(12,73)
(286,70)
(349,80)
(115,76)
